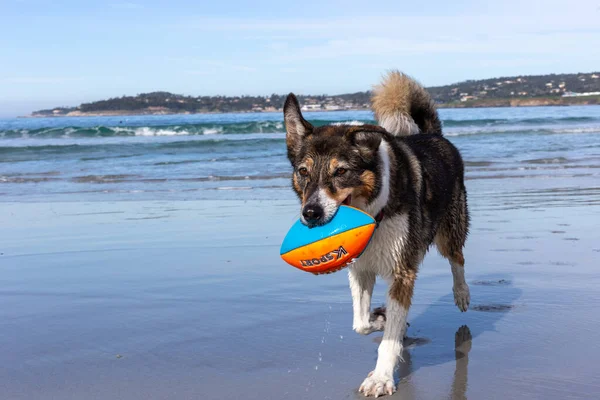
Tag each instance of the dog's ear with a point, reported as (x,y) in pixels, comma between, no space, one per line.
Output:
(366,142)
(296,126)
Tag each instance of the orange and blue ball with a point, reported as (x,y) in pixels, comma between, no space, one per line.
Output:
(328,248)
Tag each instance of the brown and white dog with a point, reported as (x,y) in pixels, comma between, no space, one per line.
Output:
(402,170)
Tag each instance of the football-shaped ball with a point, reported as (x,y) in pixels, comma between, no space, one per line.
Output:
(328,248)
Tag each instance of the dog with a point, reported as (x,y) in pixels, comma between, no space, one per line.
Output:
(407,175)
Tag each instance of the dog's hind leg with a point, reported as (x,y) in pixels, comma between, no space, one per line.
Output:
(462,295)
(361,286)
(450,240)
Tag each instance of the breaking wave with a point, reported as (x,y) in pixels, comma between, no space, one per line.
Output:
(452,127)
(168,130)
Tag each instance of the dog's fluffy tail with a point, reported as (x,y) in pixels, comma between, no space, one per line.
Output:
(403,107)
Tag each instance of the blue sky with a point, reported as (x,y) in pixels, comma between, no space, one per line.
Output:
(67,52)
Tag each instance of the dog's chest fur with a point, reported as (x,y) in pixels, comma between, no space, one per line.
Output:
(383,254)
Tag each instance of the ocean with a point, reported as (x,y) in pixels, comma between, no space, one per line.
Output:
(242,156)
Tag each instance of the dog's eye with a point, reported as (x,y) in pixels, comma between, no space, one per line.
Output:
(340,171)
(303,171)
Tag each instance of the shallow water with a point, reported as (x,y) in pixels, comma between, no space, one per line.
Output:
(160,299)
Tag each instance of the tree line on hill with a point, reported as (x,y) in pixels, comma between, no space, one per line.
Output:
(554,85)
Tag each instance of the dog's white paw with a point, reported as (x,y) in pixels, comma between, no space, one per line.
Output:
(376,323)
(462,297)
(363,329)
(376,385)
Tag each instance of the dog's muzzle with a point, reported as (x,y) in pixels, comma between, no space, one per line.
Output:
(312,214)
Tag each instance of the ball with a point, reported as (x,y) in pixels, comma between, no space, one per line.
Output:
(328,248)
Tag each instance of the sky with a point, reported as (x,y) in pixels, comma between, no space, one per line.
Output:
(65,52)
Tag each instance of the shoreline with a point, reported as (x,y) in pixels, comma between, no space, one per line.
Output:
(124,113)
(501,103)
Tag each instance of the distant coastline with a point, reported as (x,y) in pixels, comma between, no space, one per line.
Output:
(488,103)
(124,113)
(525,102)
(519,91)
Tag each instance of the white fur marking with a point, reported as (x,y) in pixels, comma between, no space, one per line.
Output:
(384,194)
(383,253)
(399,124)
(390,349)
(328,204)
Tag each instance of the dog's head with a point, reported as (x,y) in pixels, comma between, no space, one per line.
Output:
(333,165)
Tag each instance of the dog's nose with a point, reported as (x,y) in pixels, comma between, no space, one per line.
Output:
(312,213)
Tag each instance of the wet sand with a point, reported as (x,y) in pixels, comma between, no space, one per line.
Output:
(189,300)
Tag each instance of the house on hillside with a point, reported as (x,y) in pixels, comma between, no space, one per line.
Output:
(467,98)
(311,107)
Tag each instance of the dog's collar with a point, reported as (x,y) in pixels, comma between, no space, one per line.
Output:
(379,217)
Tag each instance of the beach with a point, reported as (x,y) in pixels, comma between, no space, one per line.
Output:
(145,265)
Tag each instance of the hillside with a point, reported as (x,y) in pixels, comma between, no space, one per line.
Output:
(554,89)
(535,86)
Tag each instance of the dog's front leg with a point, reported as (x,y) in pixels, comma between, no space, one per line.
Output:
(361,286)
(381,380)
